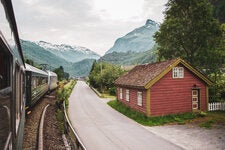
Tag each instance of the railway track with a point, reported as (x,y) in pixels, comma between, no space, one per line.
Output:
(52,138)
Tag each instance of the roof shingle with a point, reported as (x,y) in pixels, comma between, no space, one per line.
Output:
(140,75)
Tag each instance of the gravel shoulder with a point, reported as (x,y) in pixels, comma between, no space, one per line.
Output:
(52,135)
(192,137)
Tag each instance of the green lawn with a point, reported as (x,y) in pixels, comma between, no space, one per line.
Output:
(202,119)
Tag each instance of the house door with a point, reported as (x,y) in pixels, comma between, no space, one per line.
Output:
(195,99)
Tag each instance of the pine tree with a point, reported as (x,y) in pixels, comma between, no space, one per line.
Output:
(189,31)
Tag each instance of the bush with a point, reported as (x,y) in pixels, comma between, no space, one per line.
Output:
(63,94)
(60,119)
(112,91)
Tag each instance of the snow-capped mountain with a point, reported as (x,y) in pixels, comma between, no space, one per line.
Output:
(138,40)
(76,60)
(68,52)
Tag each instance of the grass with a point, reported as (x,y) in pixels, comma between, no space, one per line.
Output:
(216,118)
(103,95)
(202,119)
(106,95)
(63,93)
(151,121)
(207,124)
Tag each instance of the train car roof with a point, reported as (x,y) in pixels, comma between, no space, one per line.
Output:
(7,4)
(51,73)
(34,69)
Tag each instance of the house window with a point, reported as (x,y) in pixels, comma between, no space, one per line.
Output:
(121,93)
(127,95)
(139,98)
(178,72)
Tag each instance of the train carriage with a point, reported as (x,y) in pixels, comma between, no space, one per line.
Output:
(12,81)
(52,80)
(36,84)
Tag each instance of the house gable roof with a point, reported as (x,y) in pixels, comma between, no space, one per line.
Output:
(144,76)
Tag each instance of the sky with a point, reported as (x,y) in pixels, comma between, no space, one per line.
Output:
(94,24)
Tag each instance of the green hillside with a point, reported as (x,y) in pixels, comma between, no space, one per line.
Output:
(41,55)
(131,58)
(81,68)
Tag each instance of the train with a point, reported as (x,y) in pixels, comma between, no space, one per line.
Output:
(21,85)
(38,83)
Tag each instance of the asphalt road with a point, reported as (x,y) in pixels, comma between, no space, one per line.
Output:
(102,128)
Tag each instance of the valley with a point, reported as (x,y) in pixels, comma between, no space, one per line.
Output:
(136,47)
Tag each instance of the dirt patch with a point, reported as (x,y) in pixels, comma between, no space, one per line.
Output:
(206,132)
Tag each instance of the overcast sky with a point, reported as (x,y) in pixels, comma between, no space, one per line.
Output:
(94,24)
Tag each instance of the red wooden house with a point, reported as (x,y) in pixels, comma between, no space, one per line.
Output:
(163,88)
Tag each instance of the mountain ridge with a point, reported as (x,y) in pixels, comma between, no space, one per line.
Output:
(60,55)
(68,52)
(138,40)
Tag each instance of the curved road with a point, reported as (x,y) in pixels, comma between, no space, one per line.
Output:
(102,128)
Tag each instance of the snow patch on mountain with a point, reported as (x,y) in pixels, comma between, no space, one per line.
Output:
(65,47)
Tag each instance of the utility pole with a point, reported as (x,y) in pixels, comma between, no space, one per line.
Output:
(101,73)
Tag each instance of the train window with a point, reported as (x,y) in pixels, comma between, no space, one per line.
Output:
(24,89)
(18,95)
(4,70)
(33,83)
(5,95)
(44,80)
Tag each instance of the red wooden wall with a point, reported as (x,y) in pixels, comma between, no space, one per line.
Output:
(168,95)
(171,96)
(133,99)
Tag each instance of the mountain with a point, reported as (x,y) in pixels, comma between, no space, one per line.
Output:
(136,47)
(60,55)
(138,40)
(67,52)
(41,55)
(82,68)
(131,58)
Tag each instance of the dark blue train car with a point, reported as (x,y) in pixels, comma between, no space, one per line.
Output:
(36,85)
(12,81)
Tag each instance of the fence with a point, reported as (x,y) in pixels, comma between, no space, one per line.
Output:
(216,106)
(75,142)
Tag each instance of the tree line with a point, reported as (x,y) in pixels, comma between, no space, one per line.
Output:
(192,31)
(103,75)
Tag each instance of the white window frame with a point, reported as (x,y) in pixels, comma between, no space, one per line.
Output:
(127,95)
(139,98)
(121,93)
(178,72)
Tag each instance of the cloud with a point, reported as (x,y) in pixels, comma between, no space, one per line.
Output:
(94,24)
(154,9)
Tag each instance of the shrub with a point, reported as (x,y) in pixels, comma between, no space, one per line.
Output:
(112,91)
(63,94)
(60,119)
